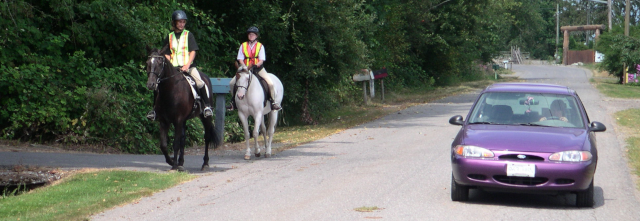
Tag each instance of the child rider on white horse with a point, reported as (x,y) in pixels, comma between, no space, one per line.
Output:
(252,54)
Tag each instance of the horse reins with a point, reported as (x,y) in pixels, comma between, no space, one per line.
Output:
(248,82)
(159,76)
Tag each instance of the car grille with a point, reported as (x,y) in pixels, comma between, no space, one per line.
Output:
(477,176)
(515,157)
(520,180)
(564,181)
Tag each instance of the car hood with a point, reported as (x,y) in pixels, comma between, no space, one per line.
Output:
(525,138)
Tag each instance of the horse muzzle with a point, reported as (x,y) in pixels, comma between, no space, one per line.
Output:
(240,96)
(152,85)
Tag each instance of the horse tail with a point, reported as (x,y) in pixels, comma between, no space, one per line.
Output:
(213,136)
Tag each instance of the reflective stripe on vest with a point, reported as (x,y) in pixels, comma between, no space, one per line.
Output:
(248,59)
(179,48)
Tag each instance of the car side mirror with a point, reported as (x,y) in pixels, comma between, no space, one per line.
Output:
(456,120)
(597,127)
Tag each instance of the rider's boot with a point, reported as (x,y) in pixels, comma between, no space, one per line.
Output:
(275,106)
(272,98)
(206,100)
(151,115)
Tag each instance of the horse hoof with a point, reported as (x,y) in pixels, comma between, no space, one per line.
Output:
(257,154)
(205,168)
(267,155)
(247,157)
(181,169)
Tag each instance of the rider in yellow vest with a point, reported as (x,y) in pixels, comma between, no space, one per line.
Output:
(252,54)
(183,50)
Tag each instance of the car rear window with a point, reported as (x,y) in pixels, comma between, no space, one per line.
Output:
(532,109)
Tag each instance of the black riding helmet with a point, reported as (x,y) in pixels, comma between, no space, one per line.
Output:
(178,15)
(253,29)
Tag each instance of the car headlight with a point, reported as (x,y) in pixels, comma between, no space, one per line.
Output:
(571,156)
(472,151)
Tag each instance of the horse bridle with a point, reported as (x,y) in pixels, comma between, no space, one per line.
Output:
(159,75)
(248,82)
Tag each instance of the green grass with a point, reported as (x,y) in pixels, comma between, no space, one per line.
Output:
(629,120)
(83,194)
(612,89)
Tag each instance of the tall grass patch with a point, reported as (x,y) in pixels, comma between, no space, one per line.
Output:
(629,120)
(83,194)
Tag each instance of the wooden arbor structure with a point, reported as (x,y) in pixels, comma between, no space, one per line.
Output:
(567,29)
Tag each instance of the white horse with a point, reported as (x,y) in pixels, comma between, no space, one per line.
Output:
(250,99)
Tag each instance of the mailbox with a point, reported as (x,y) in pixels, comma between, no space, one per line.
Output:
(220,88)
(382,73)
(220,85)
(365,75)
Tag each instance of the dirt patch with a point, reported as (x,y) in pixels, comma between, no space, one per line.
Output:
(24,178)
(17,146)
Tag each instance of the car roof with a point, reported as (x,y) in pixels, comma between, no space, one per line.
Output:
(529,88)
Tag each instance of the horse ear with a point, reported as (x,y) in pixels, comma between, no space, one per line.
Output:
(149,49)
(236,64)
(164,49)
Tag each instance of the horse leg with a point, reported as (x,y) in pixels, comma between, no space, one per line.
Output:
(209,133)
(258,119)
(164,130)
(178,139)
(245,127)
(263,128)
(183,141)
(273,119)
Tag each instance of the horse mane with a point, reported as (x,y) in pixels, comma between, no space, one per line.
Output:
(241,67)
(160,52)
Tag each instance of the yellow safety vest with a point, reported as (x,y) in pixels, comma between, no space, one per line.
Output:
(251,56)
(179,48)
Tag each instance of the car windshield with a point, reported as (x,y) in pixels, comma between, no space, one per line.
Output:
(531,109)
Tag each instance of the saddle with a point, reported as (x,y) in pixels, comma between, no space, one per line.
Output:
(192,83)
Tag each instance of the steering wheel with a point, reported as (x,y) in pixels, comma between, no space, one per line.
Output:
(553,118)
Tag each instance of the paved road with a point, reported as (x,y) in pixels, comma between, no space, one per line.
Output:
(399,163)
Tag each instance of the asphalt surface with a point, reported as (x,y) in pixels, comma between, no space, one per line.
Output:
(399,164)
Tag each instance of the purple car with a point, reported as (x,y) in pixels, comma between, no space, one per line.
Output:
(525,138)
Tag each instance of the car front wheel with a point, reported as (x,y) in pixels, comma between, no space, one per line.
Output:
(585,198)
(458,192)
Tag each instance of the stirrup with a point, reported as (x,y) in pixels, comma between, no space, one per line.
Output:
(151,115)
(231,106)
(207,112)
(275,106)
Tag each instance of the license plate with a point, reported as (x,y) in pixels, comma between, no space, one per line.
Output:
(521,170)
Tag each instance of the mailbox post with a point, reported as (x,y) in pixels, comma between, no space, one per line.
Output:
(380,74)
(364,75)
(220,88)
(368,75)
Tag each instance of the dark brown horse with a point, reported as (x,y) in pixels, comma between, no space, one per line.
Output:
(175,104)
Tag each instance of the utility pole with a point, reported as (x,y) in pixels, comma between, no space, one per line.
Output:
(626,33)
(557,27)
(626,18)
(609,6)
(586,40)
